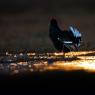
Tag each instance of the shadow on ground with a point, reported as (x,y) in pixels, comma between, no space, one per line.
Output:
(50,80)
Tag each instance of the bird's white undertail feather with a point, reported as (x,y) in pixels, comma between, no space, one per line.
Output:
(75,31)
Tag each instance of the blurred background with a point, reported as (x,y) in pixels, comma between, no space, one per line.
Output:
(24,24)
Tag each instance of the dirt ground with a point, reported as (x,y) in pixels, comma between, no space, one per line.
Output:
(33,73)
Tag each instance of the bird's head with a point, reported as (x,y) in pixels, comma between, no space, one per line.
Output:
(53,20)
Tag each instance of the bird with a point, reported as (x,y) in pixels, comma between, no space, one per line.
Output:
(64,40)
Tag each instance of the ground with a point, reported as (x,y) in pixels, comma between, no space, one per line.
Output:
(48,70)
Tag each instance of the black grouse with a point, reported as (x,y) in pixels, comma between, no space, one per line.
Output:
(64,41)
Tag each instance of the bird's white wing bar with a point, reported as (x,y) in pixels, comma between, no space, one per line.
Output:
(67,42)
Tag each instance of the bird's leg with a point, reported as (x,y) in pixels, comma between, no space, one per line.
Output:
(63,51)
(63,54)
(64,58)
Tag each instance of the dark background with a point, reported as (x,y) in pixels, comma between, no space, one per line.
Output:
(24,24)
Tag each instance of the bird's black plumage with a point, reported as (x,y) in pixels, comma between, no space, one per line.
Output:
(60,38)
